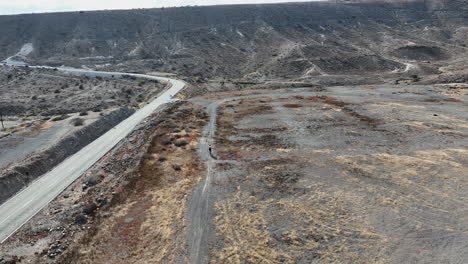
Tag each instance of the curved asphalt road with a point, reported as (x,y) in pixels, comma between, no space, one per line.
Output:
(15,212)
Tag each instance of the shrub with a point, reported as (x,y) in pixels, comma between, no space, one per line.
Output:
(92,180)
(60,118)
(84,113)
(181,143)
(415,78)
(90,209)
(77,122)
(166,140)
(80,219)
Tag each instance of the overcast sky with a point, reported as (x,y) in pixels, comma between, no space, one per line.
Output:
(38,6)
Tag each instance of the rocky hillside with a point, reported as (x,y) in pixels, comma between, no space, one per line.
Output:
(297,40)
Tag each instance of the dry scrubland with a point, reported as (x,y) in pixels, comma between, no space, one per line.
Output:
(47,93)
(50,115)
(369,174)
(149,225)
(349,175)
(339,133)
(135,196)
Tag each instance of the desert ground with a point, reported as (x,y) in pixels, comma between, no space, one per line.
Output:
(368,174)
(322,132)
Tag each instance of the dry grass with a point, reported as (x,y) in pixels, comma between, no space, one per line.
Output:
(366,206)
(444,125)
(149,226)
(241,222)
(330,224)
(317,226)
(432,172)
(163,224)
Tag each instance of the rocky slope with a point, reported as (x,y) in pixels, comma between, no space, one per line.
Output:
(297,40)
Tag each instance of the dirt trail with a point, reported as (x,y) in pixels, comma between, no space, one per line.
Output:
(200,204)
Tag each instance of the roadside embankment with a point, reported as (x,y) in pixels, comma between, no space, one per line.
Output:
(17,177)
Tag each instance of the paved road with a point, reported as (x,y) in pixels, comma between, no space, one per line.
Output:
(15,212)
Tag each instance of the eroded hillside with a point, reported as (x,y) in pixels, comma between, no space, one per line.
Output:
(254,42)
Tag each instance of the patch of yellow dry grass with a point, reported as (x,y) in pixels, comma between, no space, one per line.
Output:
(322,151)
(318,223)
(437,172)
(397,104)
(454,126)
(329,227)
(241,222)
(164,220)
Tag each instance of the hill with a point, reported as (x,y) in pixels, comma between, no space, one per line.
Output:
(297,40)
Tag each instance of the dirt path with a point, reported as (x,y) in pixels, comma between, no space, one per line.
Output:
(200,204)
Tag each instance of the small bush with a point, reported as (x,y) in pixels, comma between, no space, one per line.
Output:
(84,113)
(415,78)
(92,180)
(181,143)
(80,219)
(166,140)
(77,122)
(60,118)
(90,209)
